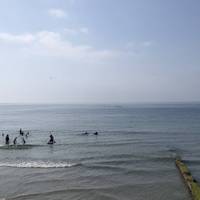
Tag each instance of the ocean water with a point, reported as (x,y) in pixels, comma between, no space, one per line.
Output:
(131,158)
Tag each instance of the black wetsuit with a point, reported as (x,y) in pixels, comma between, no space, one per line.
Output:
(7,139)
(21,132)
(51,141)
(15,141)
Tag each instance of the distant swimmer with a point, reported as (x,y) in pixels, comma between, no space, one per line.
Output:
(96,133)
(15,141)
(86,133)
(7,140)
(51,140)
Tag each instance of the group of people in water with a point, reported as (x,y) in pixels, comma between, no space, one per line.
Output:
(86,133)
(22,135)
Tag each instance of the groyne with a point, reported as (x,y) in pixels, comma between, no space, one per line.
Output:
(192,184)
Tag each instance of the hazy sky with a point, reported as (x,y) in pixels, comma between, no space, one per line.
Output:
(99,51)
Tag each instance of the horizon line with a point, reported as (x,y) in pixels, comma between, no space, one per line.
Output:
(99,103)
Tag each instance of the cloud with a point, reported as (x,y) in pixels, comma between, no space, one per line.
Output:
(57,13)
(147,43)
(138,48)
(17,39)
(56,45)
(84,30)
(138,45)
(53,44)
(73,31)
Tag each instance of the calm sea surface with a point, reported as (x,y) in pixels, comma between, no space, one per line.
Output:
(131,158)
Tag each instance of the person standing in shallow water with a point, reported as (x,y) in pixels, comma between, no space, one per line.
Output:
(21,132)
(15,141)
(7,140)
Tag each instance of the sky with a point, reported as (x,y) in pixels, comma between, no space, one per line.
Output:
(99,51)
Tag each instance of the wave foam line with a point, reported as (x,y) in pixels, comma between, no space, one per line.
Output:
(37,164)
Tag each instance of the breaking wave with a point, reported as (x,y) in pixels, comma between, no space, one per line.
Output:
(37,164)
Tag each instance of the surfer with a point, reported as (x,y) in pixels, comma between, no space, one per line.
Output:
(7,140)
(51,140)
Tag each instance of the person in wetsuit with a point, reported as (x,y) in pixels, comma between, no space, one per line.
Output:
(51,140)
(15,141)
(7,140)
(21,132)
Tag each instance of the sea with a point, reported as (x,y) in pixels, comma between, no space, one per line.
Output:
(131,158)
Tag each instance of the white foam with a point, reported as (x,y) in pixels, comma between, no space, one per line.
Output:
(37,164)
